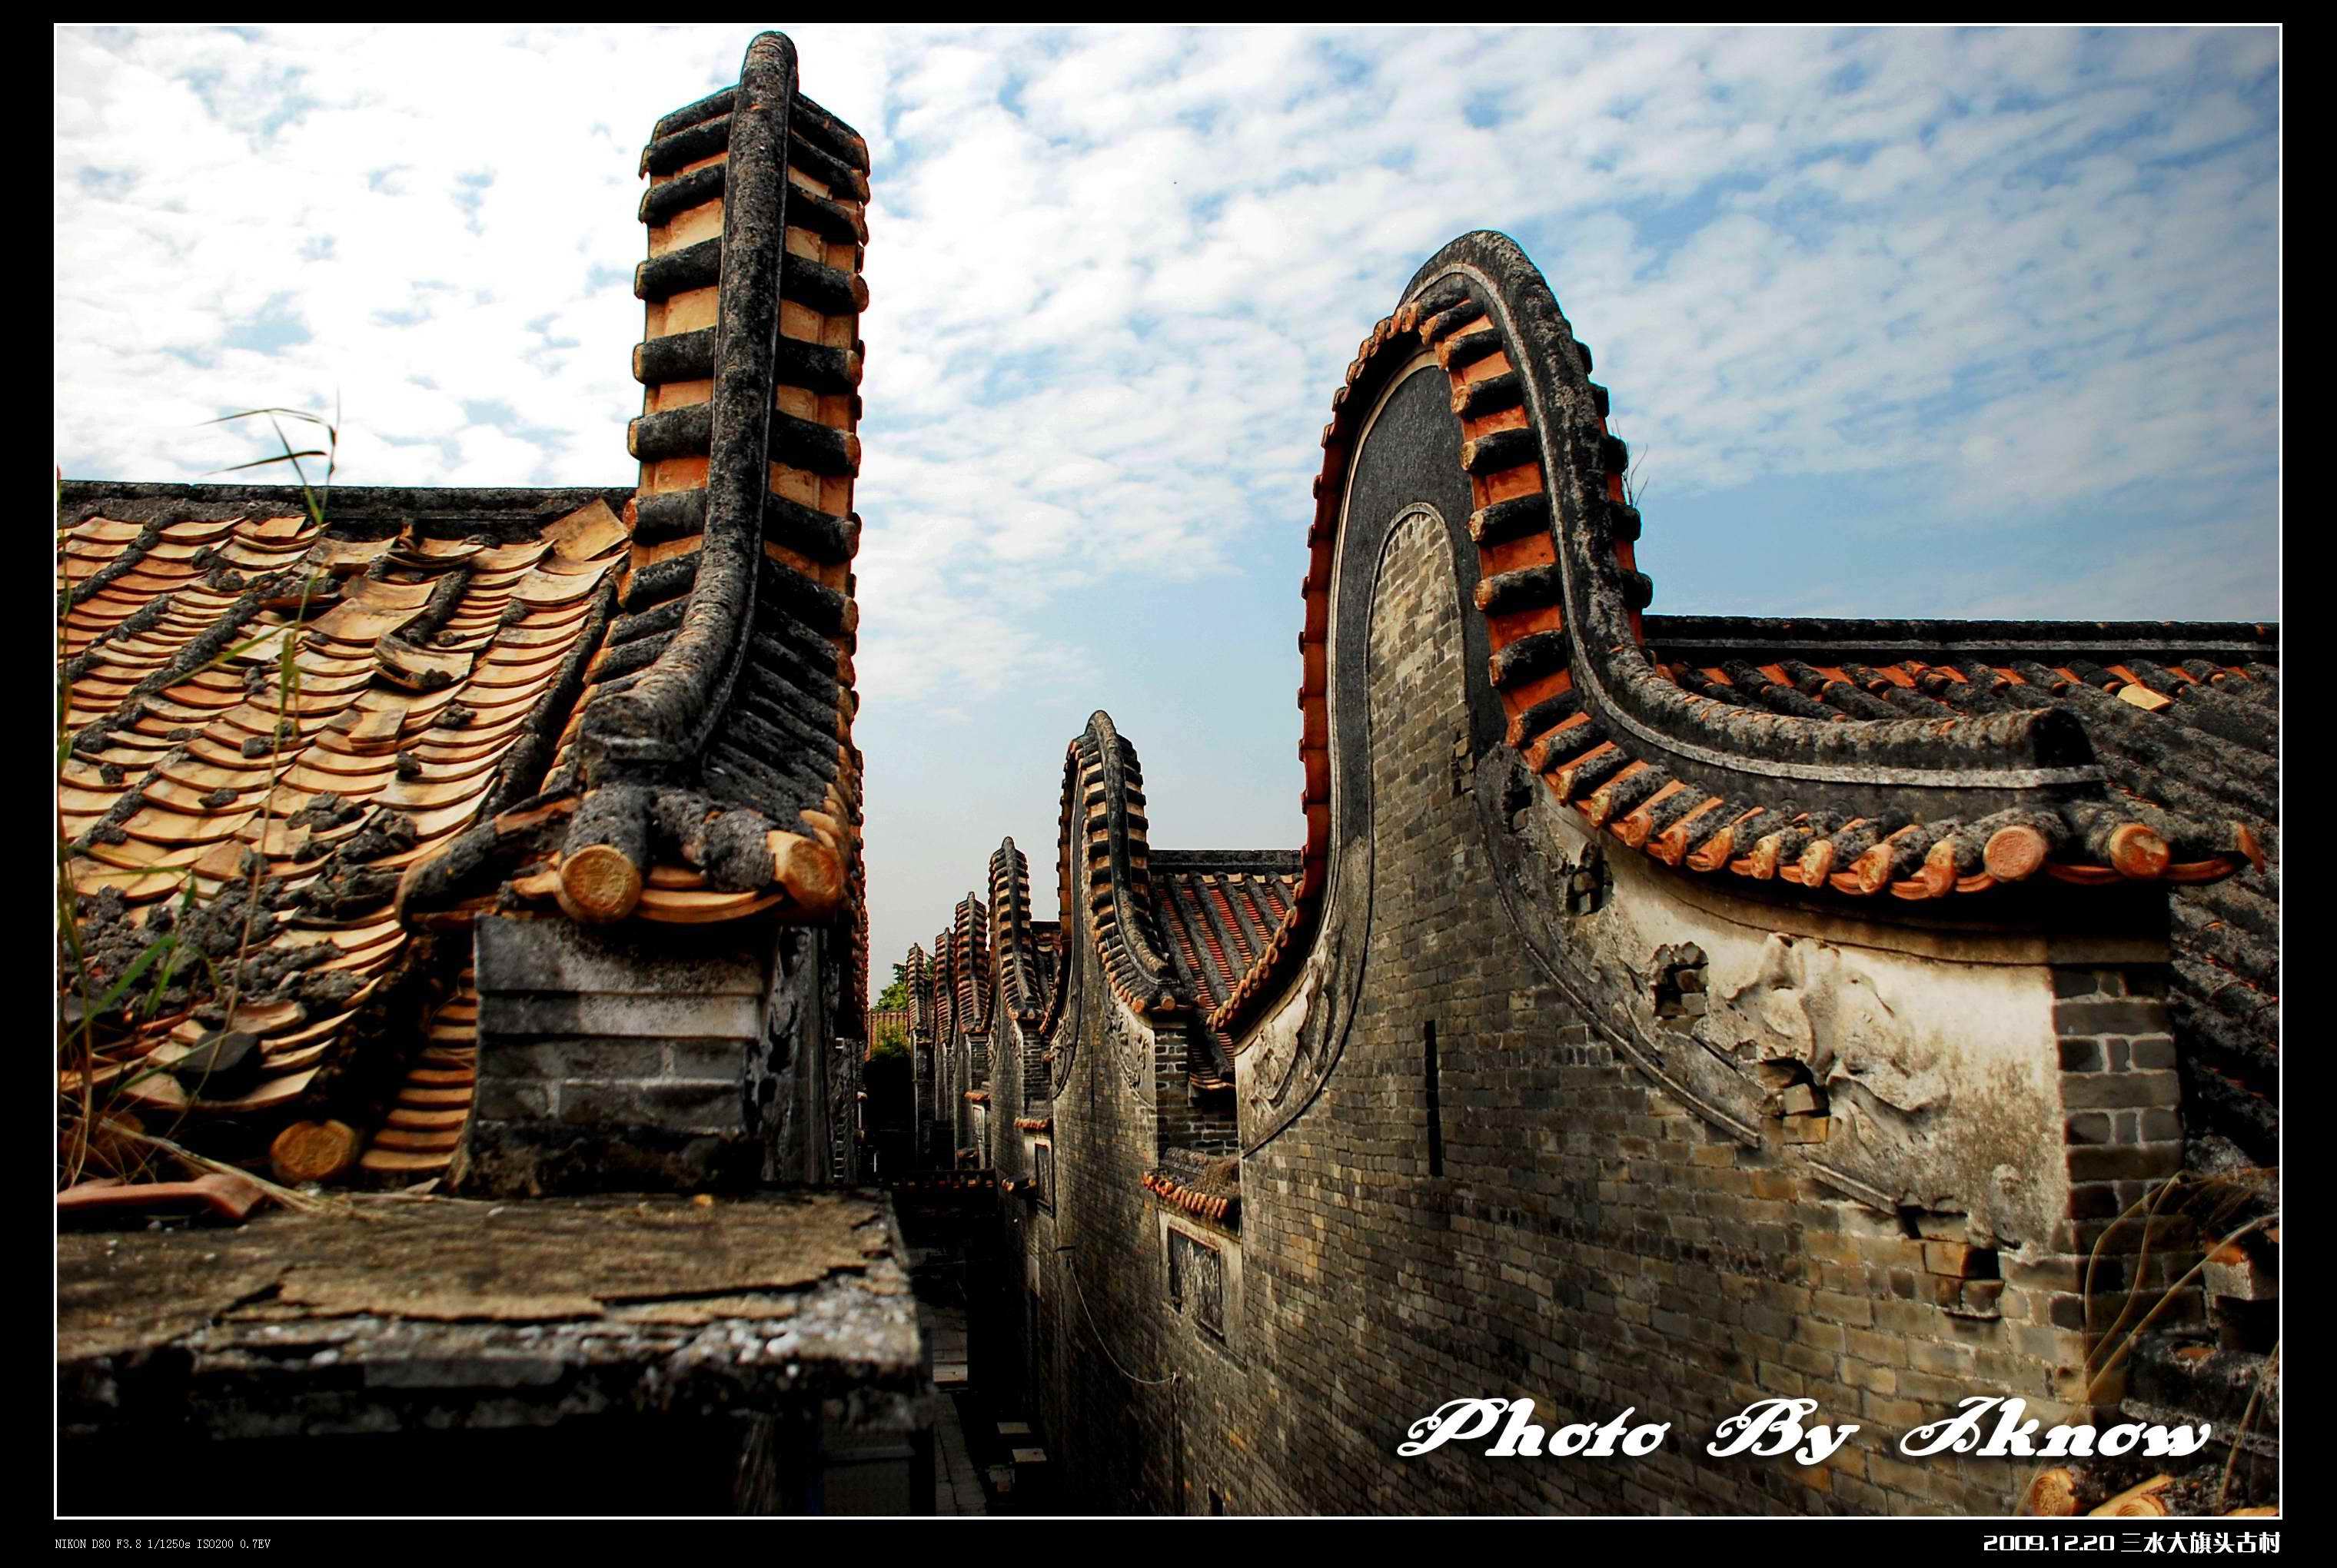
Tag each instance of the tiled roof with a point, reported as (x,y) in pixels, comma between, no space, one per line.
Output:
(941,985)
(436,630)
(621,705)
(2185,719)
(852,1002)
(1214,1206)
(1170,946)
(1200,1183)
(882,1019)
(1217,910)
(1849,789)
(970,965)
(2185,741)
(1046,945)
(921,996)
(1037,1061)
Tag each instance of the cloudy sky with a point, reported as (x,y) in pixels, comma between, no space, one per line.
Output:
(1898,323)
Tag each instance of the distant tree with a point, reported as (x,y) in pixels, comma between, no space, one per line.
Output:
(896,997)
(892,1040)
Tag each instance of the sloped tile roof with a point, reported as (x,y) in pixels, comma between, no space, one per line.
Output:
(204,761)
(2184,718)
(620,705)
(1199,1183)
(1217,910)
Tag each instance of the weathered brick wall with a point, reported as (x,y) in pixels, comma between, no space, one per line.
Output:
(964,1052)
(1576,1232)
(921,1112)
(1376,1291)
(1007,1097)
(2123,1097)
(652,1060)
(1139,1397)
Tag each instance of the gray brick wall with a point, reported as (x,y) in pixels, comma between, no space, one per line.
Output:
(1590,1242)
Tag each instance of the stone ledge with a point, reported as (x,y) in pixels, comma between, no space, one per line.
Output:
(454,1314)
(529,1158)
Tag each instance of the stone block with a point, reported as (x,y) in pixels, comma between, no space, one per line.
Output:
(555,957)
(497,1100)
(2129,1161)
(2110,1016)
(2233,1275)
(677,1015)
(569,1057)
(677,1106)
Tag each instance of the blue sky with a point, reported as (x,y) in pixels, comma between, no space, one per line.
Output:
(1897,322)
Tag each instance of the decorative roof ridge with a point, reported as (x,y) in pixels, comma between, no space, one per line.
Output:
(1198,1183)
(851,1017)
(507,513)
(1010,913)
(1051,1016)
(1548,479)
(970,966)
(729,678)
(699,765)
(1103,798)
(1757,784)
(943,985)
(919,984)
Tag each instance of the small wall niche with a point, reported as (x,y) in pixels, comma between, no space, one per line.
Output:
(1676,976)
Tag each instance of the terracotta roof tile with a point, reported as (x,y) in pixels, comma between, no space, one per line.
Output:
(1105,834)
(2205,748)
(1217,911)
(1200,1183)
(197,742)
(970,965)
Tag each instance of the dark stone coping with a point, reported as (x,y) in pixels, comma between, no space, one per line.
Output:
(442,1313)
(1212,1172)
(1230,862)
(505,513)
(1671,636)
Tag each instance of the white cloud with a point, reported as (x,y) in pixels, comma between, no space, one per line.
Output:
(1116,274)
